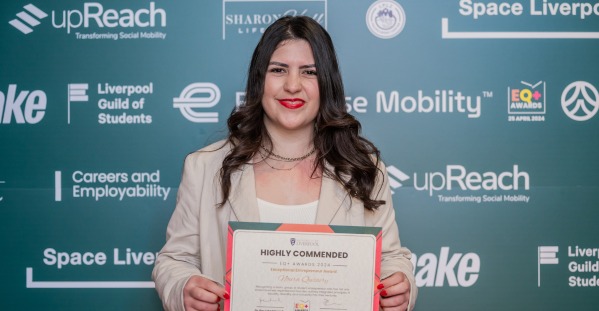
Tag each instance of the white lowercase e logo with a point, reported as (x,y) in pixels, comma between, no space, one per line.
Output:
(188,100)
(577,108)
(27,18)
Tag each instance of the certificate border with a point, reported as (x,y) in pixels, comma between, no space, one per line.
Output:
(262,226)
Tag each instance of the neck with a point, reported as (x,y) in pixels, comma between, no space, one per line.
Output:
(291,143)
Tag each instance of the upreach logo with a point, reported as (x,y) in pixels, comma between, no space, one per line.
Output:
(580,101)
(244,18)
(457,177)
(457,269)
(28,18)
(198,96)
(396,177)
(93,15)
(25,106)
(547,256)
(385,19)
(526,102)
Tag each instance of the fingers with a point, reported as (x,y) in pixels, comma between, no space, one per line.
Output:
(403,307)
(396,284)
(201,294)
(396,302)
(395,294)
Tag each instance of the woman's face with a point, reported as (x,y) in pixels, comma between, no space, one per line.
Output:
(291,98)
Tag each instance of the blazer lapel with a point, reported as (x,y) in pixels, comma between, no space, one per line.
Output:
(243,195)
(333,200)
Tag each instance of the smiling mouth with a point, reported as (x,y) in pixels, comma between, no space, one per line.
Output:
(292,103)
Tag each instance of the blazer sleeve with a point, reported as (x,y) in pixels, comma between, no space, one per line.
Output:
(394,257)
(179,259)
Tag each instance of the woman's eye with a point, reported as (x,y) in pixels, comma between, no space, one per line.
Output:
(310,72)
(276,70)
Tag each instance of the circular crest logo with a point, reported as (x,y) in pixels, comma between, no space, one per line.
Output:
(385,19)
(580,100)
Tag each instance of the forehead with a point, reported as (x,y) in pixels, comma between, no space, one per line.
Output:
(296,49)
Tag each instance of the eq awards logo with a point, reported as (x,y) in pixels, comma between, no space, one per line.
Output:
(201,95)
(580,101)
(526,102)
(385,19)
(302,306)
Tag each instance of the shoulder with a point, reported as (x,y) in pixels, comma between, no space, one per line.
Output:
(214,151)
(209,157)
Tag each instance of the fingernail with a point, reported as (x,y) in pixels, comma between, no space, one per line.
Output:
(226,296)
(383,293)
(380,286)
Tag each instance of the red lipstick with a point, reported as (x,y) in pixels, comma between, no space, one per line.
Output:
(292,103)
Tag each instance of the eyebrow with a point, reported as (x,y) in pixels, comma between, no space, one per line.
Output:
(287,66)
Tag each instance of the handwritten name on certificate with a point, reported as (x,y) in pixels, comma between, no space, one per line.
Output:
(290,267)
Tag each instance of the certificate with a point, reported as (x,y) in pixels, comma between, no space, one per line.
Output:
(291,267)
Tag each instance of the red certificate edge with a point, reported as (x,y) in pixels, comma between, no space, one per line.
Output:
(304,228)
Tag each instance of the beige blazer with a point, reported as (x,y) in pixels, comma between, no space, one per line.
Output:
(196,236)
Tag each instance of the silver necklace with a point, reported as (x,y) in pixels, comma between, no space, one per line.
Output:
(282,158)
(278,168)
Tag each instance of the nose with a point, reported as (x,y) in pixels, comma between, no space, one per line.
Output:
(293,83)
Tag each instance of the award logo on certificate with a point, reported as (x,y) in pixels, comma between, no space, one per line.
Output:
(292,267)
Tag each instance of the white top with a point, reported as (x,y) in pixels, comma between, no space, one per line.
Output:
(296,214)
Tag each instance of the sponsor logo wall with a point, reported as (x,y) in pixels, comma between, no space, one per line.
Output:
(485,113)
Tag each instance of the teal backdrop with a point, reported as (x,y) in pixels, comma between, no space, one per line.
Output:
(485,113)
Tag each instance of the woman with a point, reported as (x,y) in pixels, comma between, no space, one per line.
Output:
(293,154)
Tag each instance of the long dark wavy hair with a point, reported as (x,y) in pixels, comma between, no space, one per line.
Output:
(337,137)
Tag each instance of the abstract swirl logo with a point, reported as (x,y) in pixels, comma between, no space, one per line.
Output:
(580,101)
(198,96)
(385,19)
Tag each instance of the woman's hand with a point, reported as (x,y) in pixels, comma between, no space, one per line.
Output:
(201,294)
(395,294)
